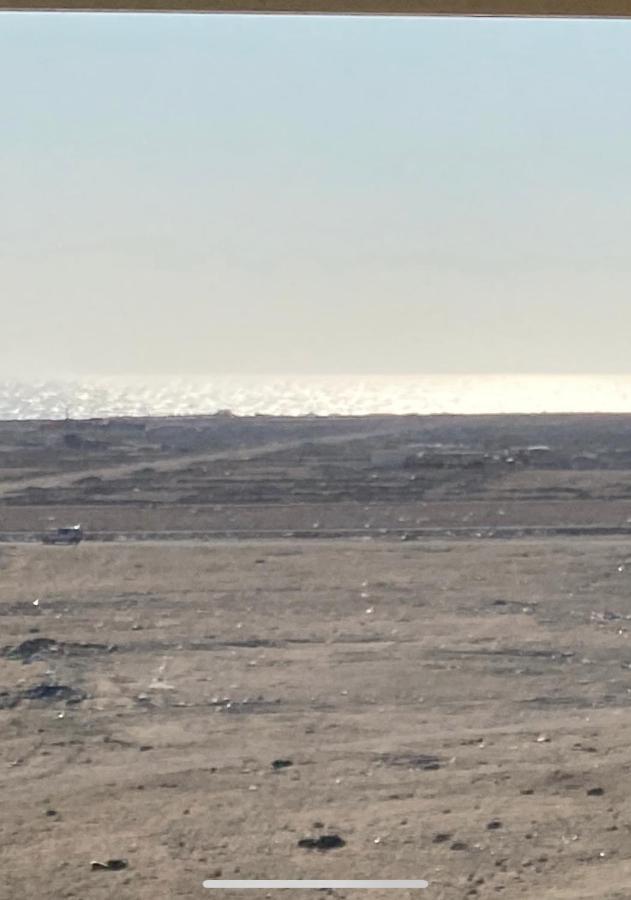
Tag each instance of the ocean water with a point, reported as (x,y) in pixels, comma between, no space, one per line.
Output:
(322,395)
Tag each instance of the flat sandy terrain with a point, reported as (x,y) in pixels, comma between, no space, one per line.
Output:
(455,708)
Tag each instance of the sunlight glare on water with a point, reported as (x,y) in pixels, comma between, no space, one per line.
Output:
(318,395)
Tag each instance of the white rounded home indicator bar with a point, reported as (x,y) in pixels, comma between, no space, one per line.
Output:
(303,883)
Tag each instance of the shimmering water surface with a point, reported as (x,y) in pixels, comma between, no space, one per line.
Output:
(326,395)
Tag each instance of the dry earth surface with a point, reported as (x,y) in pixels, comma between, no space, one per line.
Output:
(454,707)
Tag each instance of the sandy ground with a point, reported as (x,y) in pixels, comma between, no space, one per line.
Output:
(458,711)
(451,706)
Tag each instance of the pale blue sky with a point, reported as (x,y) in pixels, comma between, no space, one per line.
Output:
(184,194)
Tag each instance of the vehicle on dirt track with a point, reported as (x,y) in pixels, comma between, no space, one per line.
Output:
(72,534)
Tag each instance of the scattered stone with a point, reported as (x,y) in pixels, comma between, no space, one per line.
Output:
(543,739)
(494,824)
(54,692)
(595,792)
(51,812)
(111,865)
(425,761)
(35,648)
(606,615)
(527,791)
(441,837)
(282,763)
(459,845)
(159,685)
(50,693)
(322,842)
(145,747)
(247,705)
(30,648)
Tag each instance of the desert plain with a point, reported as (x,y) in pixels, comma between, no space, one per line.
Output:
(332,648)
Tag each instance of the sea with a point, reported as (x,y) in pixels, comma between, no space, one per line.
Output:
(285,395)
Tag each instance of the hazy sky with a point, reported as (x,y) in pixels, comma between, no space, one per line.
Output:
(184,194)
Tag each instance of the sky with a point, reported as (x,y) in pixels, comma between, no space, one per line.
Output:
(189,195)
